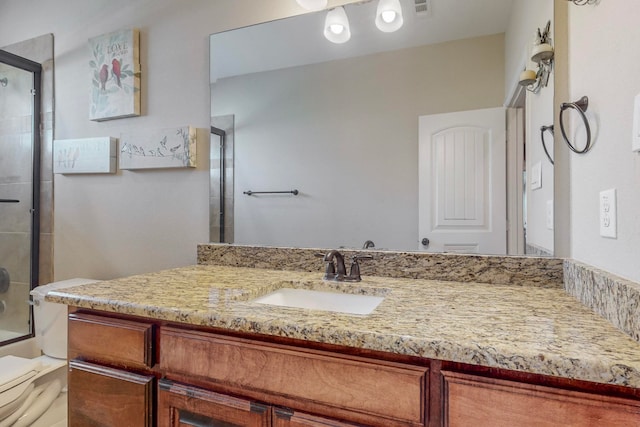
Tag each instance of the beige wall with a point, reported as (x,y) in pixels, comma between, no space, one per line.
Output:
(345,133)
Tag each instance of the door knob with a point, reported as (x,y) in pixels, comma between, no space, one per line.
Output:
(425,242)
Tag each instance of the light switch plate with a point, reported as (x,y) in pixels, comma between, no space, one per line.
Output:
(608,225)
(635,139)
(536,176)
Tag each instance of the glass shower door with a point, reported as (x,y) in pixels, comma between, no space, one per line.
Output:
(19,193)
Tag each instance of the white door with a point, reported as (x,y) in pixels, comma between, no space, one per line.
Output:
(462,184)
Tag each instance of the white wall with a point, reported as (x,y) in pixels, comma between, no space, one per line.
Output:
(605,66)
(345,133)
(526,17)
(110,226)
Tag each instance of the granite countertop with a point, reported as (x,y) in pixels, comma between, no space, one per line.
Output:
(533,329)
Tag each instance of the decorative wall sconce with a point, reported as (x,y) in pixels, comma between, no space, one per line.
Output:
(583,2)
(542,55)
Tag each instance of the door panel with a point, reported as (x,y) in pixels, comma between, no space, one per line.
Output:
(462,184)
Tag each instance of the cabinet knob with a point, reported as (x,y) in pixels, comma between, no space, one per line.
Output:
(425,242)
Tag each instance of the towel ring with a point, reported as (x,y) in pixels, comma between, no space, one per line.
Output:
(580,106)
(543,129)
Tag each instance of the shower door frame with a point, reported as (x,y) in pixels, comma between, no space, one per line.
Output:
(36,70)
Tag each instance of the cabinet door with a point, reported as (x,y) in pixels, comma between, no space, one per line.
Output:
(288,418)
(471,400)
(111,341)
(100,396)
(183,405)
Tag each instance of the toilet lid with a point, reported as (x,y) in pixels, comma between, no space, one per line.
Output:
(7,397)
(14,399)
(15,367)
(19,380)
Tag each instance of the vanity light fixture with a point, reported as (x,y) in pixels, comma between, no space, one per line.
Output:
(336,26)
(389,16)
(314,5)
(542,54)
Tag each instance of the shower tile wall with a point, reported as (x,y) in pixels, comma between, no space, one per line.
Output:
(16,132)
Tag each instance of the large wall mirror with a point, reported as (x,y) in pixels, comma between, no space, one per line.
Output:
(351,127)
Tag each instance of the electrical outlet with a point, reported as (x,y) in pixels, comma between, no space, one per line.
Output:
(536,176)
(550,214)
(608,225)
(635,138)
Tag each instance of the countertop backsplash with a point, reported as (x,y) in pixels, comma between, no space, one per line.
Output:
(613,297)
(503,270)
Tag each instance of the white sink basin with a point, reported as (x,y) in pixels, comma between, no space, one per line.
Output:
(320,300)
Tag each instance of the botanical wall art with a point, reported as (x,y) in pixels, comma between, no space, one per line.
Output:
(88,155)
(114,67)
(167,148)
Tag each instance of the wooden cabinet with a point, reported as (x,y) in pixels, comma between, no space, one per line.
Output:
(110,377)
(184,405)
(104,396)
(362,390)
(471,400)
(111,340)
(132,372)
(287,418)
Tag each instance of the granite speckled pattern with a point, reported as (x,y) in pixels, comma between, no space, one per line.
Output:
(533,329)
(507,270)
(614,298)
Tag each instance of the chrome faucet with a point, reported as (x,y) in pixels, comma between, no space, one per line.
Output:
(336,270)
(368,244)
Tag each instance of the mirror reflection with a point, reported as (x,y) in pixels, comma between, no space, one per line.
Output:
(392,138)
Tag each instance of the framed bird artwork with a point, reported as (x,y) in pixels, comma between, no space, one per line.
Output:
(159,149)
(114,68)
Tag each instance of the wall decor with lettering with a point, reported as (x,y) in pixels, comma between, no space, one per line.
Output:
(87,155)
(114,68)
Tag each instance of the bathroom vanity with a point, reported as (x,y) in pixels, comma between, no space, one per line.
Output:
(190,346)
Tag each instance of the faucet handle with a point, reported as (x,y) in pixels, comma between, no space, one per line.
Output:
(354,273)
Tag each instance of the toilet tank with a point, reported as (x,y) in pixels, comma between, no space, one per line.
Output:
(50,319)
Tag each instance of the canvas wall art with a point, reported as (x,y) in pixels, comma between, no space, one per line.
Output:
(166,148)
(114,68)
(87,155)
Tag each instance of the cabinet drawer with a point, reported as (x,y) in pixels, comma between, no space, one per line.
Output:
(110,340)
(479,401)
(100,396)
(184,405)
(375,388)
(286,418)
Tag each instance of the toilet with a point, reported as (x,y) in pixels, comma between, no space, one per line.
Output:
(33,391)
